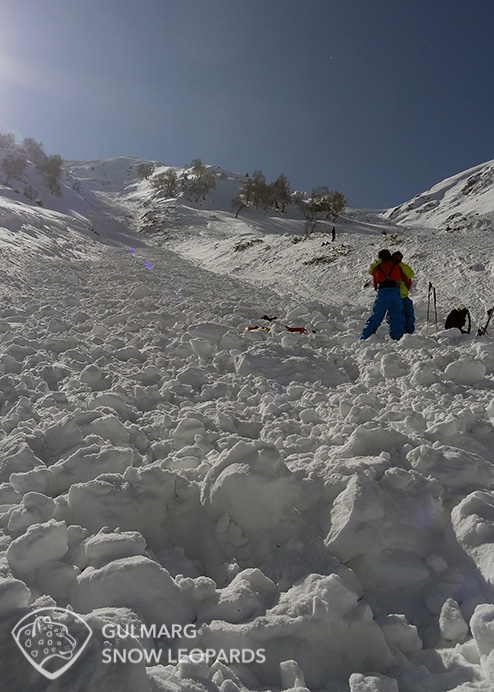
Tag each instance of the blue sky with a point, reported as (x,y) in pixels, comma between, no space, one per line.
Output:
(379,99)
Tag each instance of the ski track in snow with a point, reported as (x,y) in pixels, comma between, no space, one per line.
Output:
(326,500)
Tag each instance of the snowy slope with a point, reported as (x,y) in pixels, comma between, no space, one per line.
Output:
(463,199)
(321,500)
(107,175)
(456,257)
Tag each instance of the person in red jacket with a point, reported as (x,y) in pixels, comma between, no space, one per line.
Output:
(405,286)
(386,276)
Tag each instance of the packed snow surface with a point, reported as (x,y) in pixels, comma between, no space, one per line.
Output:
(324,501)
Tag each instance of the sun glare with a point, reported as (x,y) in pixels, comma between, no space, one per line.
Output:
(19,72)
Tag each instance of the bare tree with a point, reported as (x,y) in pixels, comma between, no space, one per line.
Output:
(34,151)
(14,165)
(255,191)
(200,181)
(166,182)
(320,206)
(260,194)
(52,171)
(7,141)
(338,203)
(280,192)
(145,170)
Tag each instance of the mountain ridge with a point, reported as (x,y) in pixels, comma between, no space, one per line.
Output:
(450,201)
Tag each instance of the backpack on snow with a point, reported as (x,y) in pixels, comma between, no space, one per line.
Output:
(457,318)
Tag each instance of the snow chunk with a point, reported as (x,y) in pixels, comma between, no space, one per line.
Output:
(57,325)
(465,371)
(40,544)
(291,675)
(134,501)
(106,546)
(392,366)
(369,517)
(141,291)
(34,509)
(57,579)
(193,376)
(94,376)
(287,365)
(14,594)
(437,563)
(482,626)
(16,457)
(149,375)
(324,610)
(130,353)
(36,480)
(250,483)
(369,439)
(203,348)
(109,427)
(372,683)
(9,495)
(59,438)
(473,523)
(88,463)
(247,595)
(146,398)
(137,583)
(454,468)
(209,331)
(452,625)
(389,568)
(400,634)
(53,374)
(186,431)
(423,374)
(113,401)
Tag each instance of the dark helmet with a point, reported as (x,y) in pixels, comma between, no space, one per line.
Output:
(397,256)
(384,255)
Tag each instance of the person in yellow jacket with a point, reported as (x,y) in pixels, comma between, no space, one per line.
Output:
(405,286)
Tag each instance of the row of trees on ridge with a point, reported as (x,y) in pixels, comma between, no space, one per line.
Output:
(322,204)
(195,183)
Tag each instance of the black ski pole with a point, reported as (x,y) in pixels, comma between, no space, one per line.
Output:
(483,330)
(428,306)
(435,309)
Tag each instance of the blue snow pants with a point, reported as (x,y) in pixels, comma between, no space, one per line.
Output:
(409,315)
(388,300)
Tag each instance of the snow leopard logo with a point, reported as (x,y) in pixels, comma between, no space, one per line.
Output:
(52,639)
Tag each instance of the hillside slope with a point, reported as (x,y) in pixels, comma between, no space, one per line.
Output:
(324,501)
(463,200)
(260,247)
